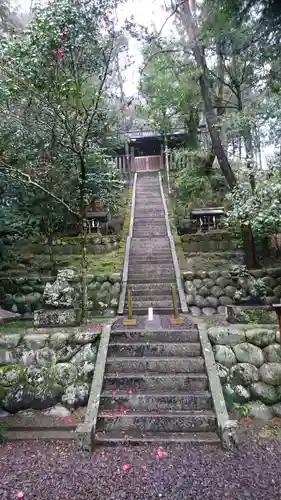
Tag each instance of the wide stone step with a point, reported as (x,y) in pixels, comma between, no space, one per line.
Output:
(154,402)
(162,421)
(146,349)
(145,289)
(161,335)
(150,259)
(142,311)
(149,232)
(163,303)
(152,293)
(142,278)
(175,382)
(147,268)
(155,365)
(112,438)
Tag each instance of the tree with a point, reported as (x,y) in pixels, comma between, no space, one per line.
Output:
(56,90)
(192,31)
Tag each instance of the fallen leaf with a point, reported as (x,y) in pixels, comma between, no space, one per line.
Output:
(144,467)
(20,494)
(161,453)
(69,420)
(113,393)
(126,466)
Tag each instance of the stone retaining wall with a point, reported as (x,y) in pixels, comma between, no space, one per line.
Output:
(96,244)
(41,370)
(211,241)
(207,291)
(24,295)
(248,361)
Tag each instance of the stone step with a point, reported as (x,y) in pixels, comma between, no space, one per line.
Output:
(146,349)
(160,301)
(161,382)
(155,365)
(151,259)
(161,335)
(142,311)
(152,293)
(154,402)
(149,232)
(147,268)
(112,438)
(142,278)
(164,421)
(152,289)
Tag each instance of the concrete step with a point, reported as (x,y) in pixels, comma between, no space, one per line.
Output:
(142,278)
(137,335)
(162,421)
(142,311)
(150,259)
(144,290)
(161,382)
(155,365)
(155,302)
(112,438)
(140,233)
(154,402)
(146,349)
(156,268)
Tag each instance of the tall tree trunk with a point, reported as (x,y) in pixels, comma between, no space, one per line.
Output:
(84,234)
(211,118)
(166,153)
(248,142)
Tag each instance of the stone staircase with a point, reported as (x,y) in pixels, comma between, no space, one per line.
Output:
(155,389)
(155,386)
(151,270)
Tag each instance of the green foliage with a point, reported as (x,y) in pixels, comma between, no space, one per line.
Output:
(262,208)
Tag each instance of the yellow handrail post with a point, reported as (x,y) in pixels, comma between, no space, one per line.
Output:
(176,319)
(130,321)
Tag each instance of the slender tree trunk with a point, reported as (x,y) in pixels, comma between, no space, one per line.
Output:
(211,118)
(84,234)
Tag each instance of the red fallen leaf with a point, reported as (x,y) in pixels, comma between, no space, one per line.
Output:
(69,420)
(63,36)
(123,410)
(20,494)
(60,52)
(130,391)
(144,467)
(126,466)
(9,59)
(113,393)
(97,436)
(161,453)
(276,419)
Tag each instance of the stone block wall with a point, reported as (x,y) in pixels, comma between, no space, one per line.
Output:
(248,361)
(41,370)
(211,241)
(207,291)
(24,295)
(96,244)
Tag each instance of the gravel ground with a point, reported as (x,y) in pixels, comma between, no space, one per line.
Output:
(58,471)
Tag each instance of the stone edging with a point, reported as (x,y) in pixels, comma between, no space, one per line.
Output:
(84,433)
(180,288)
(226,428)
(122,297)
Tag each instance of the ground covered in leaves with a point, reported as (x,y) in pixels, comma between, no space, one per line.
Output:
(58,471)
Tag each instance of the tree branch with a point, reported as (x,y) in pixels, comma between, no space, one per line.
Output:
(27,179)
